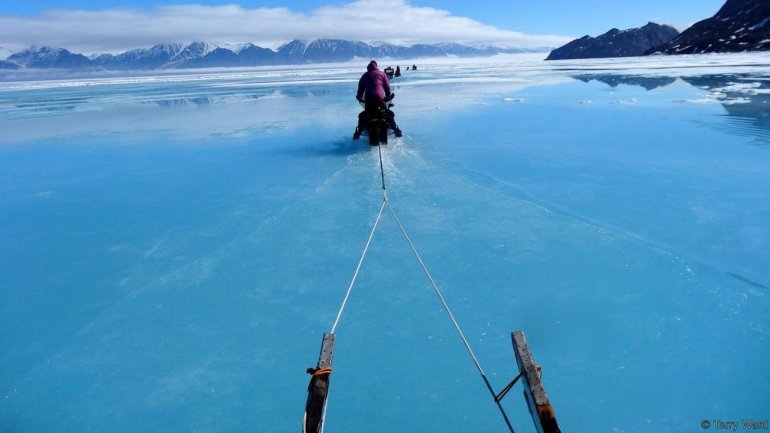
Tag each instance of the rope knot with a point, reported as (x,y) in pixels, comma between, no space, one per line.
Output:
(319,371)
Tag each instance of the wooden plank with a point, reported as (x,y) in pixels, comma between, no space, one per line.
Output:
(318,389)
(534,391)
(327,352)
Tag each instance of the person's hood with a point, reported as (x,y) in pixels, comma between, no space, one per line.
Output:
(371,66)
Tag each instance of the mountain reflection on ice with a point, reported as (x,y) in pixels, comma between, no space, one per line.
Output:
(745,97)
(174,246)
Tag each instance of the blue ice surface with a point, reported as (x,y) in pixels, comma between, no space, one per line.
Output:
(173,247)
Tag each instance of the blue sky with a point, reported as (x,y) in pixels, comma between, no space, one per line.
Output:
(510,22)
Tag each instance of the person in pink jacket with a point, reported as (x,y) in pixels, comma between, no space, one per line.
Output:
(374,92)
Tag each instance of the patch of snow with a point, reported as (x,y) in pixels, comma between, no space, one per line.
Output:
(734,101)
(704,101)
(760,24)
(209,47)
(236,48)
(754,92)
(736,87)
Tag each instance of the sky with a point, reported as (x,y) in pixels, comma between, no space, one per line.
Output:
(118,25)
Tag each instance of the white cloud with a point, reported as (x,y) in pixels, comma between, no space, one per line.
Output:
(116,30)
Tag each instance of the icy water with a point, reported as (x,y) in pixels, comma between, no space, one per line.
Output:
(173,247)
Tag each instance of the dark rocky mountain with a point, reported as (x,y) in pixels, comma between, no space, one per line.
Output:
(252,55)
(740,25)
(616,43)
(207,55)
(48,57)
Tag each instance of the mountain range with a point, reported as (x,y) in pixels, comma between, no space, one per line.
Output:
(740,25)
(208,55)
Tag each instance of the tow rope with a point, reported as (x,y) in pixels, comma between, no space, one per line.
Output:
(316,405)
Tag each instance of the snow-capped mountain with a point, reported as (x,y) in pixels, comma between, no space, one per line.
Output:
(192,52)
(740,25)
(5,64)
(322,50)
(49,57)
(464,50)
(335,50)
(252,55)
(209,55)
(218,57)
(616,43)
(142,58)
(203,55)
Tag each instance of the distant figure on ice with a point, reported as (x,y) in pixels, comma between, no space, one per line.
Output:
(374,92)
(389,72)
(414,67)
(398,71)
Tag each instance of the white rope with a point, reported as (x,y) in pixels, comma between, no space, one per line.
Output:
(451,317)
(358,268)
(385,202)
(436,289)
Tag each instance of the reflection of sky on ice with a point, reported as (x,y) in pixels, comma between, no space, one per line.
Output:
(174,246)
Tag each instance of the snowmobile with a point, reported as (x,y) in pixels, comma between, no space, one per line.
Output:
(378,124)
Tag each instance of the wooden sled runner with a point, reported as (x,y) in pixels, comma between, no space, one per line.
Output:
(534,391)
(318,389)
